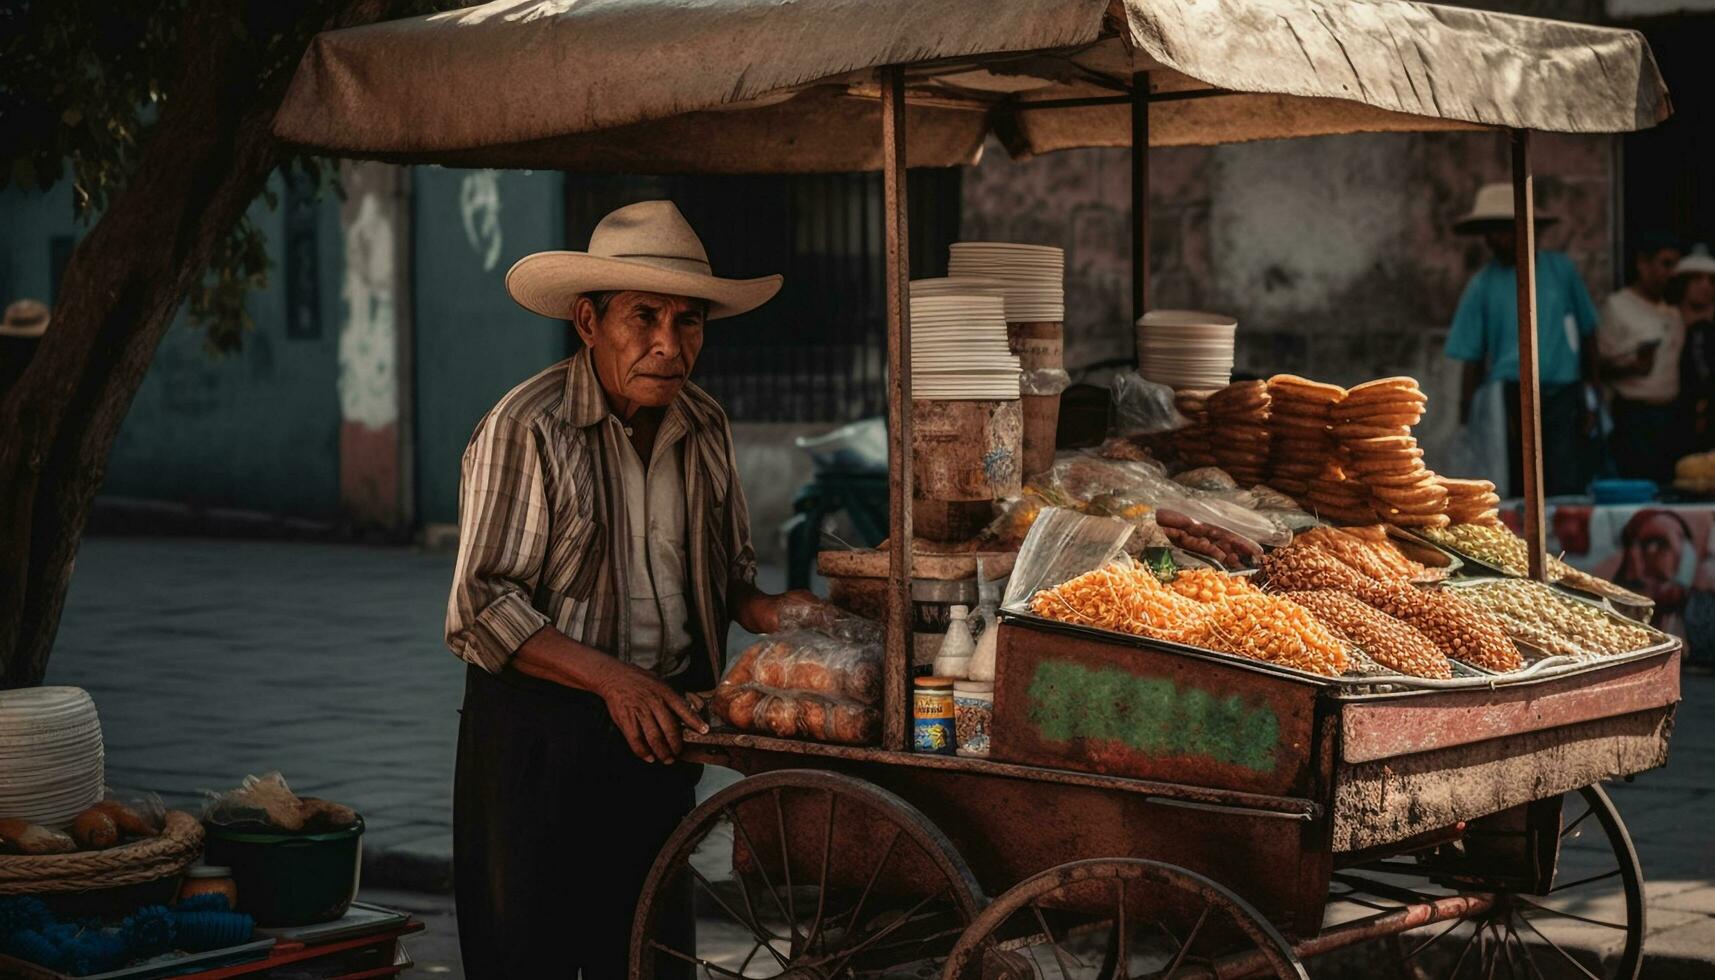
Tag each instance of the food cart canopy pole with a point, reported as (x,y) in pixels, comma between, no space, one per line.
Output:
(766,86)
(896,666)
(1529,395)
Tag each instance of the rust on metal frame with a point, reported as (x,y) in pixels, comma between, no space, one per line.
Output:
(1389,800)
(897,663)
(1140,97)
(1380,729)
(1010,827)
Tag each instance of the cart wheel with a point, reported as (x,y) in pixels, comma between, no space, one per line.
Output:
(1112,918)
(1587,924)
(803,874)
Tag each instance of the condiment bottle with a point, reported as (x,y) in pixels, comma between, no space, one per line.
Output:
(932,708)
(973,715)
(954,658)
(209,879)
(988,610)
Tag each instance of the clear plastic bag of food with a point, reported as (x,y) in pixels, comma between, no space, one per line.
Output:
(819,681)
(1061,545)
(1084,476)
(1142,407)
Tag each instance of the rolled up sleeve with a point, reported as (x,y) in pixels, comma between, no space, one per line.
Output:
(503,538)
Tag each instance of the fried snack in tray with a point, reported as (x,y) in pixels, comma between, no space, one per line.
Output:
(1384,639)
(1367,549)
(1493,545)
(1272,629)
(1247,624)
(1556,623)
(1462,631)
(1301,567)
(1126,598)
(1210,585)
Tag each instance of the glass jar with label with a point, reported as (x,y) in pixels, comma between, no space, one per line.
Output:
(932,707)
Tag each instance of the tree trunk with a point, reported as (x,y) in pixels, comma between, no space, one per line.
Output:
(206,161)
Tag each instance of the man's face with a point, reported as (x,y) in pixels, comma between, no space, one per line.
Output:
(1655,270)
(1501,243)
(643,346)
(1656,547)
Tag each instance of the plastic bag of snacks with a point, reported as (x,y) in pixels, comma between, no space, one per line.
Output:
(820,678)
(268,801)
(1143,407)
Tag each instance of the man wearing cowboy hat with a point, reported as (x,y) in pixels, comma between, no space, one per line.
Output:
(604,546)
(21,328)
(1485,333)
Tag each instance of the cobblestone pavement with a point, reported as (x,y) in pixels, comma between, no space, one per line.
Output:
(211,659)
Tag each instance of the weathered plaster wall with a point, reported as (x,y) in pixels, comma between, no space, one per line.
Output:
(257,430)
(473,343)
(1336,254)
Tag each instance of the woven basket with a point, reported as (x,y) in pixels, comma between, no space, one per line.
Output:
(140,862)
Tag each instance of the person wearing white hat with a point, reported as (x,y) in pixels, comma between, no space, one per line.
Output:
(1484,335)
(1692,291)
(1637,356)
(603,548)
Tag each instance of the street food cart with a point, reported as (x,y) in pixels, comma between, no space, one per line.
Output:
(1311,813)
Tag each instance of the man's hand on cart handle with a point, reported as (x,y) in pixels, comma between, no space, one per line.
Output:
(648,712)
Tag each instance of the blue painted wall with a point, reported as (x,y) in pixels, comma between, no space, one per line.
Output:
(473,343)
(257,430)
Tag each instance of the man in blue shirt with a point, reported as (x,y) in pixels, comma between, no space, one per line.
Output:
(1485,337)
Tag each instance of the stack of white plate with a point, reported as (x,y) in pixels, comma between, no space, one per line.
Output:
(1034,276)
(958,345)
(1185,348)
(51,759)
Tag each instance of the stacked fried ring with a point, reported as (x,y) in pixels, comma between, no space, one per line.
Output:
(1373,425)
(1301,444)
(1471,501)
(1239,430)
(1337,498)
(1191,444)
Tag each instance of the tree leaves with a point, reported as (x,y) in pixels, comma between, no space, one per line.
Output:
(82,83)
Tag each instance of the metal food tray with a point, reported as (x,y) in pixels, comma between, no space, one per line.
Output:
(1491,570)
(1466,675)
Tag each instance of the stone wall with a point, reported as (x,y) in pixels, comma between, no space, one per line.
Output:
(1336,254)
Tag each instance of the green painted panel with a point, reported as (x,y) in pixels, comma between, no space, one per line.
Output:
(1151,715)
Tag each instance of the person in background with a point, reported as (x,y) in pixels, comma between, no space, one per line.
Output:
(1692,291)
(21,329)
(1485,337)
(1638,343)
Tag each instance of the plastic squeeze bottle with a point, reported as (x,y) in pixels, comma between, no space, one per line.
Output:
(982,662)
(954,657)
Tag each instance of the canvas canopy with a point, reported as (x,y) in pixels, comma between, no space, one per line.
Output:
(773,86)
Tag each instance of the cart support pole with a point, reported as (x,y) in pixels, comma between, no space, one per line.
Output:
(897,663)
(1530,411)
(1139,197)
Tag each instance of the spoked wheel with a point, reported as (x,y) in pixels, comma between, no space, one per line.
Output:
(1582,918)
(1111,919)
(802,874)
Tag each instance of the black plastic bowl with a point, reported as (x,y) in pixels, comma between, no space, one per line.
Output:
(289,879)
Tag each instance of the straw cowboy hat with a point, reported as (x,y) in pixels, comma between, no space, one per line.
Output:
(1696,260)
(1493,206)
(648,246)
(25,318)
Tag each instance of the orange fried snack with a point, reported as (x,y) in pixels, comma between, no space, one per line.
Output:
(1272,629)
(1210,585)
(1126,599)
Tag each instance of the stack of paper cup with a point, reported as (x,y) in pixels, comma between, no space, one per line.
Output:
(1186,349)
(1033,276)
(52,764)
(958,343)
